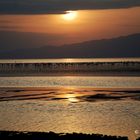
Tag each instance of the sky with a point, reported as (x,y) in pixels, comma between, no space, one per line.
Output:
(34,23)
(60,6)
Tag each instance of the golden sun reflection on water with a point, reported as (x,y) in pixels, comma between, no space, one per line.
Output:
(71,98)
(68,114)
(70,94)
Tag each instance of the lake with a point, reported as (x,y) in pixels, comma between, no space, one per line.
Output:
(69,60)
(88,104)
(72,81)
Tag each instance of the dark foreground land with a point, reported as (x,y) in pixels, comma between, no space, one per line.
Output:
(12,135)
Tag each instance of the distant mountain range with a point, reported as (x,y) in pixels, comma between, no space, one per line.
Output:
(124,46)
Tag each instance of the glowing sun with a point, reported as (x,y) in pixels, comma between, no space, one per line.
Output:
(70,15)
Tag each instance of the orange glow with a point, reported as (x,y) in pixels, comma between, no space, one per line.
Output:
(77,26)
(70,15)
(71,98)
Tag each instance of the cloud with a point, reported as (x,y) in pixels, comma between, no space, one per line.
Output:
(60,6)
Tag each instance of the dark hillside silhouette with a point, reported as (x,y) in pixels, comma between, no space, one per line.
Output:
(125,46)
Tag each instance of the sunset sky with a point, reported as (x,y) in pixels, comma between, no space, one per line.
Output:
(59,22)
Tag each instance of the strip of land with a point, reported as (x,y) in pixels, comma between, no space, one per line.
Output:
(81,68)
(56,136)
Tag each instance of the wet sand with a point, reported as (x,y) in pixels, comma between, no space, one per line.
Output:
(73,94)
(107,111)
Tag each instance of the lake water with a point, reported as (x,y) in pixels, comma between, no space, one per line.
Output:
(72,81)
(111,118)
(72,60)
(72,109)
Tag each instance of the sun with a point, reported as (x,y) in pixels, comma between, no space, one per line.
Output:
(70,15)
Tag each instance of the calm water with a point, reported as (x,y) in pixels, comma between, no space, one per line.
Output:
(34,113)
(111,118)
(68,60)
(71,81)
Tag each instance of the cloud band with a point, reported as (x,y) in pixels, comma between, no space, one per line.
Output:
(60,6)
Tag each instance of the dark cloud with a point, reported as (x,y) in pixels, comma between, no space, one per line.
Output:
(59,6)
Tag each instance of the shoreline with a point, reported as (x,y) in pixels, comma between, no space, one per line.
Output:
(68,88)
(123,74)
(40,100)
(69,94)
(57,136)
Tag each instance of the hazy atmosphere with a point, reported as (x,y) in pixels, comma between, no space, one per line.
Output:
(70,69)
(35,24)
